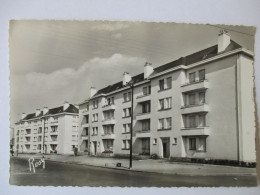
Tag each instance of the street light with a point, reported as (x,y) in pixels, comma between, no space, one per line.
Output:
(131,85)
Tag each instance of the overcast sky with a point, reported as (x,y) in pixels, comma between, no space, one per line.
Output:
(56,61)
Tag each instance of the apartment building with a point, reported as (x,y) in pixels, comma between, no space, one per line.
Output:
(48,131)
(198,106)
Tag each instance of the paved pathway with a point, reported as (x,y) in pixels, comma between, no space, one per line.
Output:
(149,165)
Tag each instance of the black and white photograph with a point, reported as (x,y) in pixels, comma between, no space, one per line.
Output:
(103,103)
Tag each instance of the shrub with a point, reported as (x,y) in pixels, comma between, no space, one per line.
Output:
(154,156)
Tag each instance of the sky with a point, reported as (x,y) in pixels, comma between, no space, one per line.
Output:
(53,61)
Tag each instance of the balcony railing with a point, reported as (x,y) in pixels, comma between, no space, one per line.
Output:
(143,98)
(194,108)
(143,133)
(108,136)
(202,84)
(193,131)
(109,121)
(109,107)
(144,115)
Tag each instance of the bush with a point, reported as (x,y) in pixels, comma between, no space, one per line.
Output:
(107,151)
(154,156)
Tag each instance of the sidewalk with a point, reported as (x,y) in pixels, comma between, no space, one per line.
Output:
(149,165)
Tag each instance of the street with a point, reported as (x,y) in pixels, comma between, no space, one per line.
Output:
(64,174)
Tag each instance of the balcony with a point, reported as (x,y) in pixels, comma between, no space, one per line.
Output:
(109,121)
(85,125)
(109,107)
(108,136)
(54,122)
(195,86)
(142,133)
(194,109)
(84,111)
(194,131)
(54,132)
(84,137)
(143,116)
(143,98)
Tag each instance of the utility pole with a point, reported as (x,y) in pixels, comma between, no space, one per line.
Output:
(43,139)
(131,85)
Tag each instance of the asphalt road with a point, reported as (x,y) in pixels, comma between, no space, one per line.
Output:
(63,174)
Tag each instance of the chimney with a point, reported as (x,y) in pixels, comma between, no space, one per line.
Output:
(37,112)
(65,105)
(93,91)
(23,116)
(148,69)
(45,110)
(223,40)
(126,78)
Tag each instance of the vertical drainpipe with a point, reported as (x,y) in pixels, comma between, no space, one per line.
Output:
(43,139)
(237,104)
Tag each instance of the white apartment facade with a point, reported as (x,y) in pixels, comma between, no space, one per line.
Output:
(199,106)
(48,131)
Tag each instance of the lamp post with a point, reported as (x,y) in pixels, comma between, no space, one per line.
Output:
(131,85)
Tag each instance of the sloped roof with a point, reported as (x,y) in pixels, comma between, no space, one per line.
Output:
(52,111)
(186,61)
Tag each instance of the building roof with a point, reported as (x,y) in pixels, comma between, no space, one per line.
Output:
(53,111)
(186,61)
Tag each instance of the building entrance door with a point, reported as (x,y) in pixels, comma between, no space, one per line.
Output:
(166,147)
(95,148)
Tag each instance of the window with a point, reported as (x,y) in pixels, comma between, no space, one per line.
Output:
(201,144)
(197,143)
(168,102)
(168,123)
(169,83)
(202,97)
(54,129)
(108,129)
(127,96)
(191,99)
(174,141)
(110,101)
(165,103)
(126,128)
(165,123)
(95,104)
(161,84)
(94,130)
(146,107)
(108,144)
(147,90)
(86,118)
(161,104)
(161,124)
(154,141)
(108,115)
(126,144)
(192,121)
(202,75)
(192,77)
(126,112)
(202,121)
(46,129)
(95,117)
(192,143)
(146,125)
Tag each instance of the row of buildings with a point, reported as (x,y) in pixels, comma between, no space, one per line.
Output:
(199,106)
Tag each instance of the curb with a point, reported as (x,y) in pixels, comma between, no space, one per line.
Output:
(147,171)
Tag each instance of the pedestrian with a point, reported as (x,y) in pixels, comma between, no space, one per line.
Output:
(75,151)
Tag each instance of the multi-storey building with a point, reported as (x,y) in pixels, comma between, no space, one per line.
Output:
(199,106)
(48,131)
